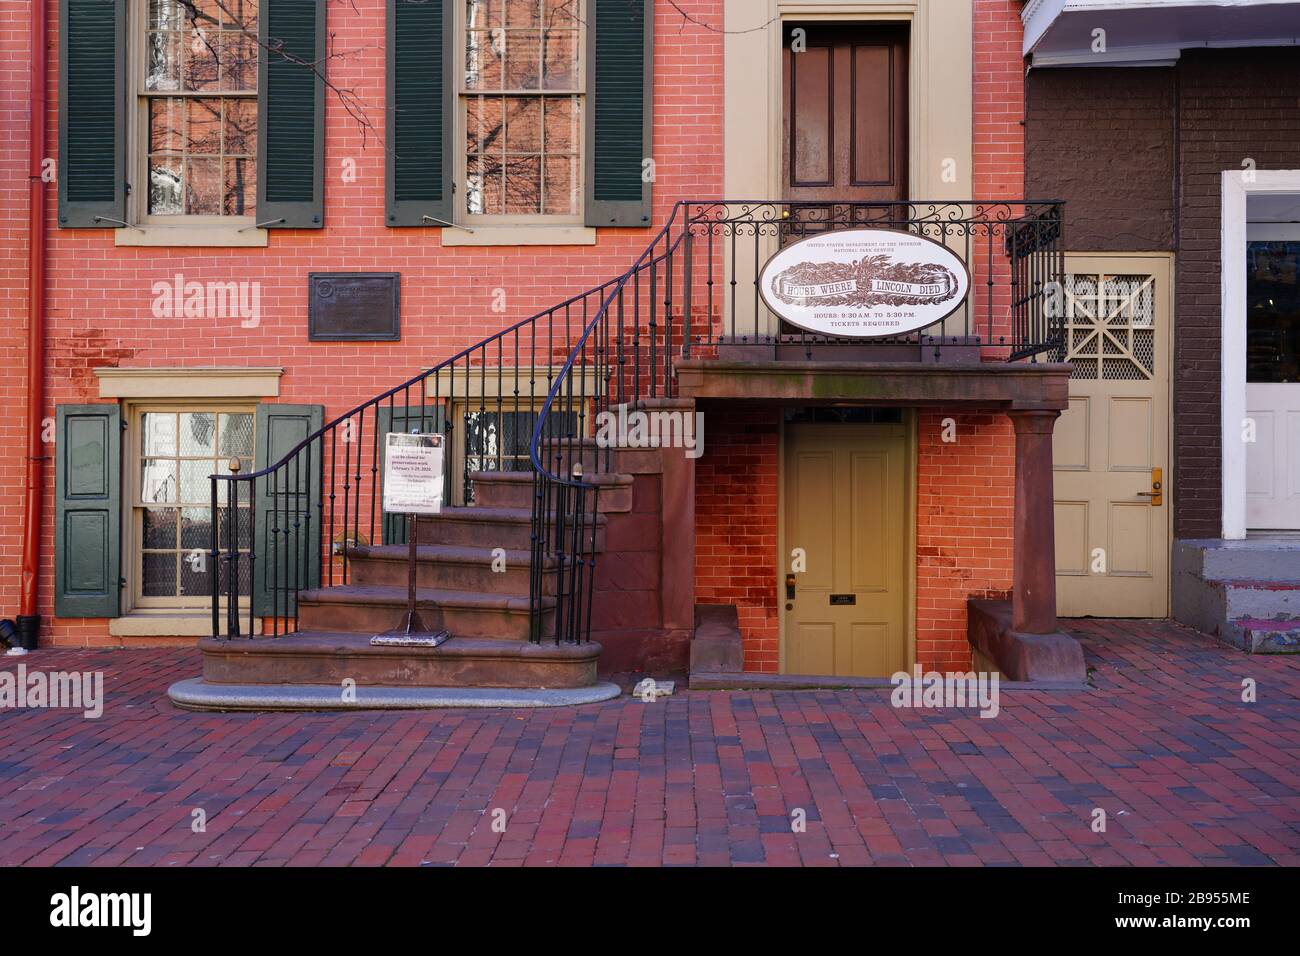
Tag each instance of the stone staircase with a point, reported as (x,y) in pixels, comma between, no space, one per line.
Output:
(473,567)
(473,573)
(1246,593)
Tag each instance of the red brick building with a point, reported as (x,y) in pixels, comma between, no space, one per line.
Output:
(605,180)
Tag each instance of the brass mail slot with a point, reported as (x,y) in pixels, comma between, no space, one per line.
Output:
(844,599)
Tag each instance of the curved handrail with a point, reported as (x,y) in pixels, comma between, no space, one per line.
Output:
(423,376)
(619,283)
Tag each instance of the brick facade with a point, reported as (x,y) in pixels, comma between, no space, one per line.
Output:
(964,489)
(99,299)
(99,295)
(1103,141)
(1111,142)
(1234,106)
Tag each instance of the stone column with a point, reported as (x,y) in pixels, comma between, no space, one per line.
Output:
(1033,585)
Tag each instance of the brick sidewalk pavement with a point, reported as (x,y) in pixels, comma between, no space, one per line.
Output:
(1186,772)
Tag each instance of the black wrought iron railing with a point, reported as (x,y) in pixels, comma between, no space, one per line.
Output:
(530,396)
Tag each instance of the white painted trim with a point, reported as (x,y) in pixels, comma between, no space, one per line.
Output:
(1235,190)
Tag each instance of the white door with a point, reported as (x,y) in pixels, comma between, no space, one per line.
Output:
(1110,450)
(1272,385)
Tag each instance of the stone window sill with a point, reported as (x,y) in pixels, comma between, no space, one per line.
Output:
(214,236)
(519,235)
(167,623)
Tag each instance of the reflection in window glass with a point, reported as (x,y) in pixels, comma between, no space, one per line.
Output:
(1272,312)
(178,451)
(200,103)
(522,107)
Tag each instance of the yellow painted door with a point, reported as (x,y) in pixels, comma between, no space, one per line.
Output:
(1112,444)
(847,508)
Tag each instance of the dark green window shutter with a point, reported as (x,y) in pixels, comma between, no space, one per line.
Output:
(421,107)
(286,508)
(291,115)
(88,511)
(92,113)
(620,64)
(431,420)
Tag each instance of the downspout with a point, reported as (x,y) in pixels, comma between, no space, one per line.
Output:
(29,618)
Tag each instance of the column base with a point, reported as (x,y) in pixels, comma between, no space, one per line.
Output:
(1019,656)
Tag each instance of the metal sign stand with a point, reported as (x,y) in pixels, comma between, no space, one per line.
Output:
(413,631)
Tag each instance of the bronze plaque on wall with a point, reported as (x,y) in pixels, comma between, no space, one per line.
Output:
(353,306)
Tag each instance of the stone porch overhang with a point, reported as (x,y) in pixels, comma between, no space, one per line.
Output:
(1020,386)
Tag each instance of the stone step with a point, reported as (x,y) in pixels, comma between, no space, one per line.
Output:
(329,657)
(561,454)
(515,489)
(1260,600)
(509,528)
(451,568)
(1252,559)
(373,608)
(1264,636)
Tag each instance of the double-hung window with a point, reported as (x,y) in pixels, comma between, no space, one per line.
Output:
(521,102)
(197,106)
(532,113)
(191,122)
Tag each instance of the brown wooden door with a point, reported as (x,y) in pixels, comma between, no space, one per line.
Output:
(845,113)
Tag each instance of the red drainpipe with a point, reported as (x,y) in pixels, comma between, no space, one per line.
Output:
(29,619)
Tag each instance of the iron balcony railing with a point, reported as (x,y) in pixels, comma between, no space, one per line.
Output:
(531,394)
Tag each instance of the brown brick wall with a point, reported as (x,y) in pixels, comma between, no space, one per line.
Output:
(1137,154)
(1103,140)
(1234,105)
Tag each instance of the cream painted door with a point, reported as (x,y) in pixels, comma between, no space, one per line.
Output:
(1111,446)
(847,507)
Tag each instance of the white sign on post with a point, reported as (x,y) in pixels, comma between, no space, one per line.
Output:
(413,474)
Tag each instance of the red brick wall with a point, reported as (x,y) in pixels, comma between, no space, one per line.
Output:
(965,490)
(99,296)
(736,525)
(965,498)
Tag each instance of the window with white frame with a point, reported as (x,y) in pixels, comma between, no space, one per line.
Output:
(521,101)
(196,97)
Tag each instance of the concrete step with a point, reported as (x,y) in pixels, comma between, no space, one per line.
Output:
(1260,599)
(328,657)
(509,528)
(1252,559)
(372,609)
(450,567)
(515,489)
(1264,636)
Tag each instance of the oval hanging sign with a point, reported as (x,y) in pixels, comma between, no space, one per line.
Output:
(864,283)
